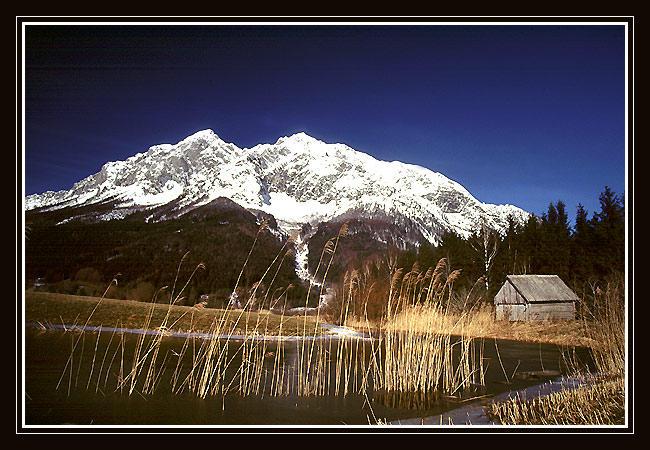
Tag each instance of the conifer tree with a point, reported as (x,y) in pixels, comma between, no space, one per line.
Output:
(609,233)
(582,246)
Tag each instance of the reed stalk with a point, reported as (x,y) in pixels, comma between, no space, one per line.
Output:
(412,356)
(74,345)
(600,400)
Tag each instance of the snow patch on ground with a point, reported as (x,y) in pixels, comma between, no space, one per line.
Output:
(286,208)
(171,191)
(301,257)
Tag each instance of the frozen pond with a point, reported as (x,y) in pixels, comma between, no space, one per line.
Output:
(86,390)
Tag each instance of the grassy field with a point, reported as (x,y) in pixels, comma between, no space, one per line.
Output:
(601,403)
(49,308)
(480,323)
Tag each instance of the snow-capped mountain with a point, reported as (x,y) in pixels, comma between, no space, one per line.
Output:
(297,179)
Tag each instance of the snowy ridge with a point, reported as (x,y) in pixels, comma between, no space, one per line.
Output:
(298,179)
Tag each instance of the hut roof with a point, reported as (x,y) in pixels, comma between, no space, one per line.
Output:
(542,288)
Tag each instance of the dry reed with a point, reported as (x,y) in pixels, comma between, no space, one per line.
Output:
(601,399)
(414,354)
(597,403)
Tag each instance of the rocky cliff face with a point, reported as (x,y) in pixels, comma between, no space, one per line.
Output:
(298,180)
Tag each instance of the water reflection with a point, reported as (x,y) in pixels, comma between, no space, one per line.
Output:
(123,379)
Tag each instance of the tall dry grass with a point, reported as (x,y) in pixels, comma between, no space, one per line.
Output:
(421,350)
(413,353)
(601,400)
(605,324)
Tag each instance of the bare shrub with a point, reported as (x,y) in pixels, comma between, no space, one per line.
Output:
(143,291)
(88,275)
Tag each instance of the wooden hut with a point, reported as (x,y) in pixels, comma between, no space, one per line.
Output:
(535,298)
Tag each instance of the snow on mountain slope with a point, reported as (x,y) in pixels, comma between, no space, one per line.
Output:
(298,180)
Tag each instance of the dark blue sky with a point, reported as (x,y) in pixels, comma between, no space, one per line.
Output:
(526,115)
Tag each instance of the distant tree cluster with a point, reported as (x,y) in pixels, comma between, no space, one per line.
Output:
(585,256)
(82,259)
(590,252)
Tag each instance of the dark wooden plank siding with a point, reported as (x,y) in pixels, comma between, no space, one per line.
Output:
(513,313)
(534,298)
(508,295)
(550,311)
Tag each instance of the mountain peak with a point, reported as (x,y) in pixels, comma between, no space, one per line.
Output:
(298,180)
(299,138)
(207,134)
(302,136)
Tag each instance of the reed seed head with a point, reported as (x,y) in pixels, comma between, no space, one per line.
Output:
(293,237)
(396,277)
(454,275)
(344,229)
(329,246)
(263,225)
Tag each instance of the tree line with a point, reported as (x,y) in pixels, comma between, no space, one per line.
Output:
(147,256)
(81,258)
(589,252)
(587,255)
